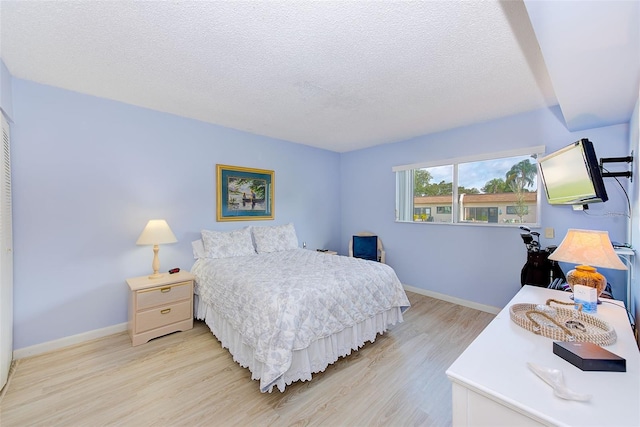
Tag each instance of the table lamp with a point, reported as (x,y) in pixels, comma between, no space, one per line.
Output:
(588,249)
(156,232)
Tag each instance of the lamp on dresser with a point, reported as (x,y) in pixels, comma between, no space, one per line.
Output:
(156,232)
(588,249)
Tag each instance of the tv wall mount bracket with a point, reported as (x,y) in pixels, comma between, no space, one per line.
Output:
(625,174)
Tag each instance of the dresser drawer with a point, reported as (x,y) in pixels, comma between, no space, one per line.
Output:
(161,316)
(163,295)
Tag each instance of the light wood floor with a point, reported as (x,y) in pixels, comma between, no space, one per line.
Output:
(188,379)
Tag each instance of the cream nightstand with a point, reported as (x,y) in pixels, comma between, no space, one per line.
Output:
(160,306)
(327,251)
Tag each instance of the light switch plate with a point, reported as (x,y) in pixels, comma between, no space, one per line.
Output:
(549,233)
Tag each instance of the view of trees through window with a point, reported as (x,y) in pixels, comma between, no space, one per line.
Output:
(498,191)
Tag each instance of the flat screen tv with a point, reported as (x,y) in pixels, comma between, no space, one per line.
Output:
(572,175)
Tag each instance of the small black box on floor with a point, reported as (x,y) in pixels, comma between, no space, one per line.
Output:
(589,357)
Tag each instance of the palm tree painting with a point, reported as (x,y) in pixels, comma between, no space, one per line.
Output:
(244,193)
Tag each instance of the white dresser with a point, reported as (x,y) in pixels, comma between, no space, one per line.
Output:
(492,385)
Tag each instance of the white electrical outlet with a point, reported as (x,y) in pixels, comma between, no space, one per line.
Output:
(549,233)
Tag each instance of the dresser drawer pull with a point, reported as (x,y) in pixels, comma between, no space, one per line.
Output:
(165,290)
(165,311)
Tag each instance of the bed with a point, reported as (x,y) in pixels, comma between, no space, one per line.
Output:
(284,312)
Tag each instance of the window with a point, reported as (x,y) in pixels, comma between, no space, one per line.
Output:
(432,186)
(493,189)
(515,210)
(421,214)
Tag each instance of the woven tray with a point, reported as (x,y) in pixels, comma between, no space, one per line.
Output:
(562,324)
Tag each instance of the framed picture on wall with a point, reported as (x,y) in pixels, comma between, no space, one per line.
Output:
(244,193)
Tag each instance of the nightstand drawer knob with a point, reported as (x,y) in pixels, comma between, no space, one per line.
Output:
(165,311)
(165,290)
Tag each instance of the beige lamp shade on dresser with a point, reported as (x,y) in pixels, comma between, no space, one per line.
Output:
(156,232)
(588,249)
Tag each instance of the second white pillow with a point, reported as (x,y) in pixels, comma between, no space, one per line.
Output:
(275,238)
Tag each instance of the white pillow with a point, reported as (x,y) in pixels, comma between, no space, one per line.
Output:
(227,244)
(198,249)
(275,238)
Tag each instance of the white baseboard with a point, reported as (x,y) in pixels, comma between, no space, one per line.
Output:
(45,347)
(454,300)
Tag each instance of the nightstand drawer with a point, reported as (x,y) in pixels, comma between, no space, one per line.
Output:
(161,316)
(163,295)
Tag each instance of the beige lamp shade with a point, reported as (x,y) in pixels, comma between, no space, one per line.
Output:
(588,249)
(156,232)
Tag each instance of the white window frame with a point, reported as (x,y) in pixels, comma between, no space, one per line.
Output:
(402,188)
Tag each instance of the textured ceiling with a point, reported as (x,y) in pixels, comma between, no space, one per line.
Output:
(339,75)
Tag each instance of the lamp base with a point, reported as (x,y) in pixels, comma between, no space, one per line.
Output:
(571,298)
(156,263)
(586,276)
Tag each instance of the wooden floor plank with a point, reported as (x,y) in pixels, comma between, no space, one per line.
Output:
(187,378)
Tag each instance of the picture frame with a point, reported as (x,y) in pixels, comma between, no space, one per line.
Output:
(244,194)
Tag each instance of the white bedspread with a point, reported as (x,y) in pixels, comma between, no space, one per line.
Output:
(282,301)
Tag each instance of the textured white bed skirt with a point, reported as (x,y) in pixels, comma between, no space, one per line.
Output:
(306,361)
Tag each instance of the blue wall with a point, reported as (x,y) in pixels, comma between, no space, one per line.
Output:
(481,264)
(88,173)
(6,98)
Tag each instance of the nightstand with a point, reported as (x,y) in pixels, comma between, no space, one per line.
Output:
(160,306)
(327,251)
